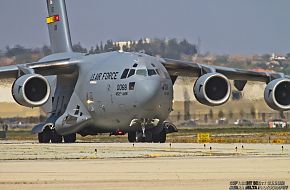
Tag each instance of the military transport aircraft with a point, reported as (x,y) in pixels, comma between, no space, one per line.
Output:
(119,92)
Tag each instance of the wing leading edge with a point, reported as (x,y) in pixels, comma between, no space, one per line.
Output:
(55,67)
(191,69)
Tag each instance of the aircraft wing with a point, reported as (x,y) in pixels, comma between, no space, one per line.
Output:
(240,76)
(55,67)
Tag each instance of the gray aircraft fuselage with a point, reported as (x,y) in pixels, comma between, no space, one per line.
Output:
(114,88)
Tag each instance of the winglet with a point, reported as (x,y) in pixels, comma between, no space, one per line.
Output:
(58,26)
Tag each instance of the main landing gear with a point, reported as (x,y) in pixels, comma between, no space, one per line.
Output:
(137,136)
(49,135)
(155,135)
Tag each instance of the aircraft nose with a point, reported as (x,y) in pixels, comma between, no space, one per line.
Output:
(148,93)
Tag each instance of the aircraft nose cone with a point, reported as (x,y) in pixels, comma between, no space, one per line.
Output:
(148,93)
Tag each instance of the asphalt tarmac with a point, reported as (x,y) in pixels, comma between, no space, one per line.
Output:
(28,165)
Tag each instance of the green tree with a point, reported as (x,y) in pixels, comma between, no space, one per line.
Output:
(117,47)
(97,49)
(288,56)
(266,57)
(46,50)
(16,51)
(221,114)
(231,114)
(172,50)
(187,48)
(210,114)
(109,46)
(101,47)
(21,54)
(242,113)
(282,116)
(221,59)
(92,51)
(253,112)
(79,48)
(125,47)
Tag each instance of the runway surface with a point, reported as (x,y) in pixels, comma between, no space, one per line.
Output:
(28,165)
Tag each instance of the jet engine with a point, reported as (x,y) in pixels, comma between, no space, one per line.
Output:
(212,89)
(277,94)
(31,90)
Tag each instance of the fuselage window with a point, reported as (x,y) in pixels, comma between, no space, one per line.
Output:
(124,74)
(151,72)
(153,65)
(142,72)
(131,73)
(135,65)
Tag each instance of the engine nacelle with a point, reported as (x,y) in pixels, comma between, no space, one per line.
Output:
(31,90)
(212,89)
(277,94)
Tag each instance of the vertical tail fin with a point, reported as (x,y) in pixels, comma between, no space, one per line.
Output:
(58,26)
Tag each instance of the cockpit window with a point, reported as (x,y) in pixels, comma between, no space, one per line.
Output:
(131,73)
(167,75)
(151,72)
(142,72)
(157,71)
(161,73)
(124,74)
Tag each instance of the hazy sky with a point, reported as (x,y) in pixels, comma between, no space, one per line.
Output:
(224,26)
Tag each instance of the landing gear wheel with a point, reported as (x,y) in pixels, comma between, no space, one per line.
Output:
(132,137)
(155,138)
(56,138)
(160,137)
(40,138)
(139,137)
(70,138)
(45,136)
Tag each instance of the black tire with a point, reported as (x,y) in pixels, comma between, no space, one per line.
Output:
(159,137)
(162,136)
(56,138)
(70,138)
(40,138)
(139,137)
(132,137)
(45,136)
(155,138)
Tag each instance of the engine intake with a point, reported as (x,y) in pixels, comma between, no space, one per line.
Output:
(31,90)
(212,89)
(277,94)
